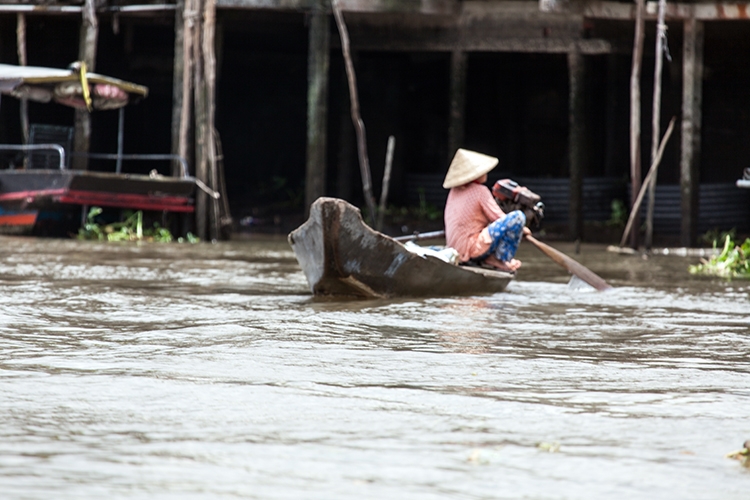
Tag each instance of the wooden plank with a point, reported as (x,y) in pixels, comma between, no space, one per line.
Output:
(706,11)
(692,92)
(539,45)
(431,7)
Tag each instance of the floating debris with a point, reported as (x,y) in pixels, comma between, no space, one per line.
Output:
(552,447)
(742,455)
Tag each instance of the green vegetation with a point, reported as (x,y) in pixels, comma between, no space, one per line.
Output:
(619,215)
(715,235)
(732,262)
(131,229)
(424,212)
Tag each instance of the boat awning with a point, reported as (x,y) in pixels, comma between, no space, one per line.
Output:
(68,86)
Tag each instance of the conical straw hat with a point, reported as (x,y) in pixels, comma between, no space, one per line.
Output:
(467,166)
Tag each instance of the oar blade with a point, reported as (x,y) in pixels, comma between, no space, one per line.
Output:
(575,268)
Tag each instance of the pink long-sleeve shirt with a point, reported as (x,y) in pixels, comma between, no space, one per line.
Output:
(468,211)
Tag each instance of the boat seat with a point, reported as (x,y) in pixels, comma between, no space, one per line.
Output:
(50,134)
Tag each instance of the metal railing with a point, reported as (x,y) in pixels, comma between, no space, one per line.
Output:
(185,174)
(37,147)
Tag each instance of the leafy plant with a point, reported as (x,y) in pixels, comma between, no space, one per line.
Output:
(131,229)
(732,262)
(619,215)
(715,235)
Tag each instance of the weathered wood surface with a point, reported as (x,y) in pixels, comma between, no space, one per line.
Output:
(692,98)
(441,7)
(635,115)
(88,41)
(661,34)
(702,11)
(341,256)
(23,189)
(457,117)
(318,62)
(576,141)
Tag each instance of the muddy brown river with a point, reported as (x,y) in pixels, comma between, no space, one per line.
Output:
(208,371)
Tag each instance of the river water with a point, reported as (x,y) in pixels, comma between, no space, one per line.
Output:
(207,371)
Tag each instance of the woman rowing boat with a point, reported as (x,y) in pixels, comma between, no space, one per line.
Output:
(474,224)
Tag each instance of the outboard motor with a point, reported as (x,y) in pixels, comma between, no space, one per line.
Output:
(511,196)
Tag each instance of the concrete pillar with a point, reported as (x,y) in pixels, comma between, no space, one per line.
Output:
(692,91)
(317,102)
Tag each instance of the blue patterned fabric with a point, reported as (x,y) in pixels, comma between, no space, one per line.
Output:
(506,234)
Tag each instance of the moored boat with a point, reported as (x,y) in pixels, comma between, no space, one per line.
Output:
(341,256)
(46,196)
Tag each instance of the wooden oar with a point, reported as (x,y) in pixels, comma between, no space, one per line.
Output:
(573,267)
(420,236)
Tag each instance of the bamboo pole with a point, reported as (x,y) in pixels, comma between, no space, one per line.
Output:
(22,61)
(635,116)
(661,34)
(386,181)
(359,126)
(651,174)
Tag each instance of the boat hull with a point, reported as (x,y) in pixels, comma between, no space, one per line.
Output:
(341,256)
(30,199)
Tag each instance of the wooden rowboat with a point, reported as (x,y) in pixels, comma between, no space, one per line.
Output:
(341,256)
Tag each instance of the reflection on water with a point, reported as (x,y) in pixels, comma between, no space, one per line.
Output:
(207,371)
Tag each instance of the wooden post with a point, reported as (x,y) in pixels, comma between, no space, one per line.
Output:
(576,146)
(209,91)
(457,102)
(22,61)
(692,96)
(178,79)
(661,35)
(635,117)
(86,53)
(359,125)
(318,61)
(201,109)
(189,15)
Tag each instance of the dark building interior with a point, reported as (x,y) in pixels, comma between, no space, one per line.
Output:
(517,105)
